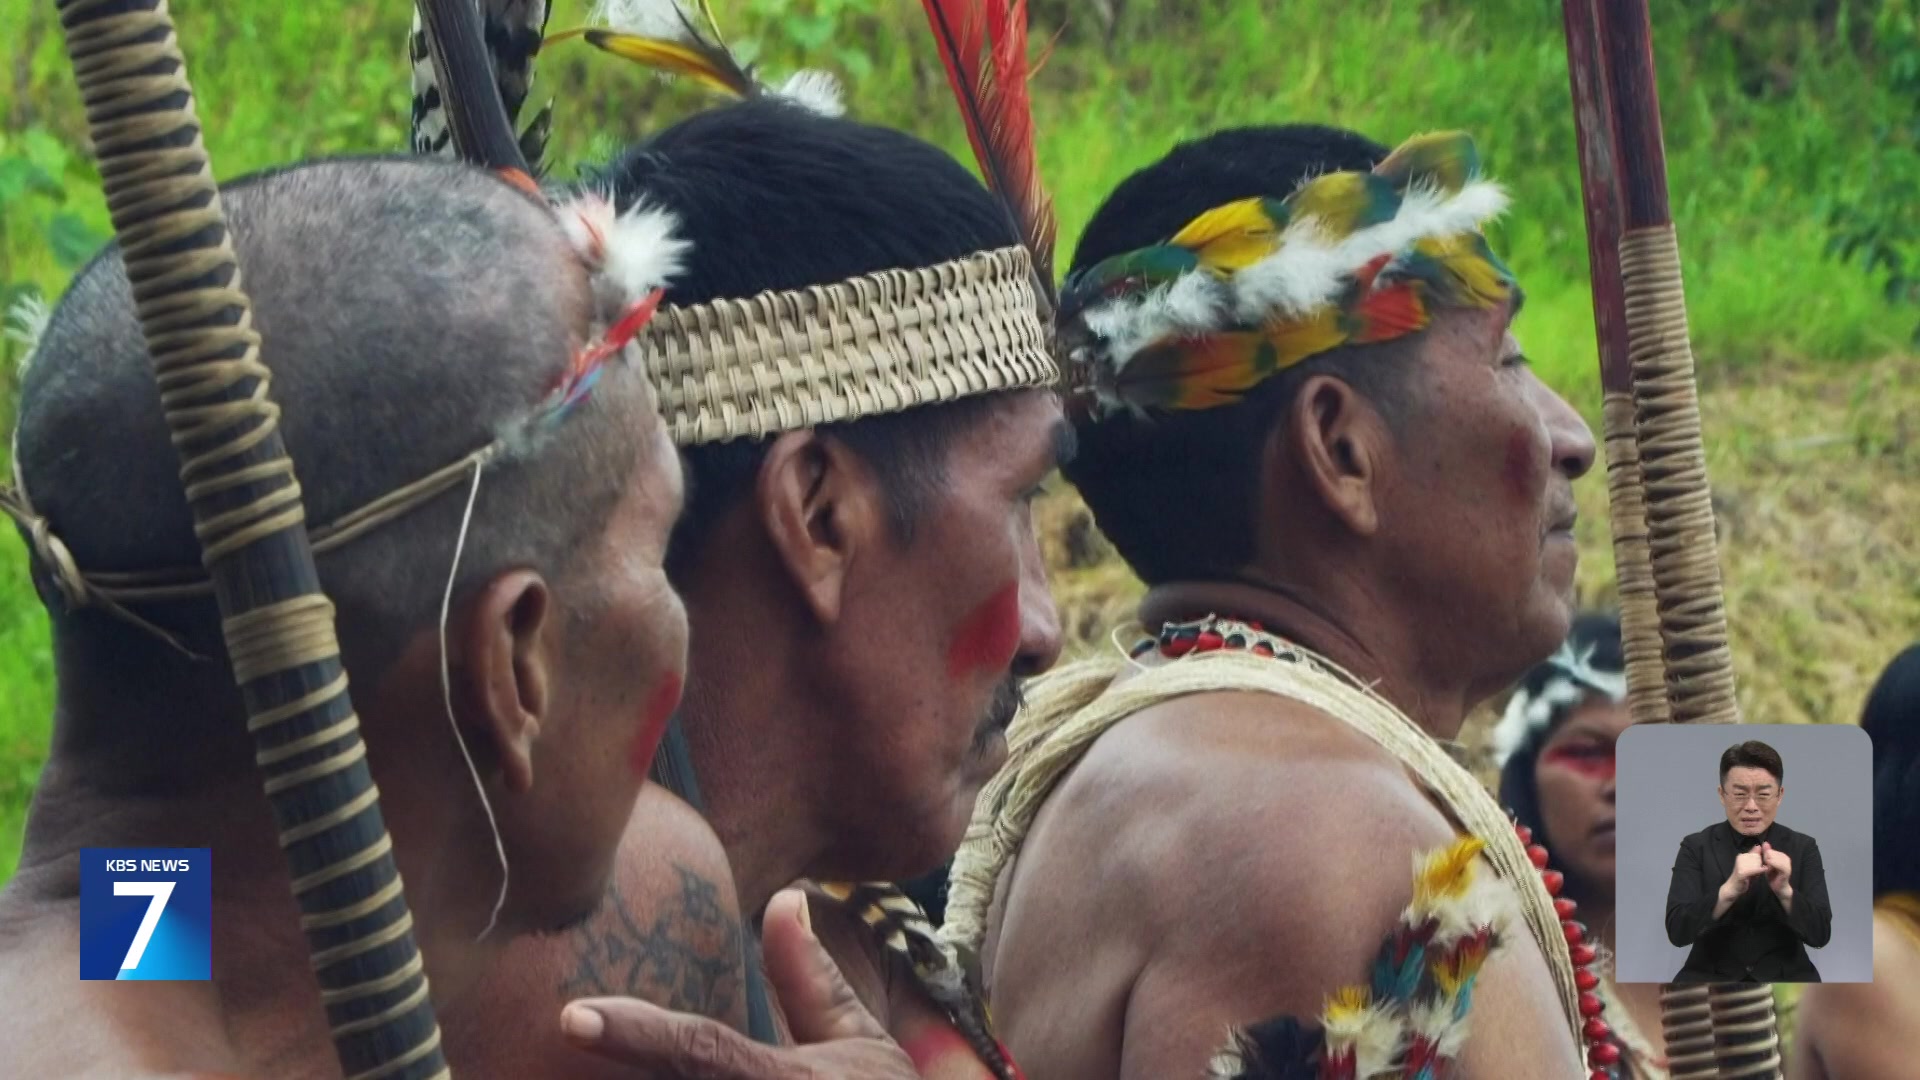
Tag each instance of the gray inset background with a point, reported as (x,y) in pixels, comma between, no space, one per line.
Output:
(1668,774)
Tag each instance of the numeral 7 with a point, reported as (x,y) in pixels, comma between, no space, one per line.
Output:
(160,891)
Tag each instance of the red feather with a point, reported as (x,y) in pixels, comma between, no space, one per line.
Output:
(983,46)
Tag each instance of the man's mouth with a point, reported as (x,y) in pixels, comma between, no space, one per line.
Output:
(1007,702)
(1562,526)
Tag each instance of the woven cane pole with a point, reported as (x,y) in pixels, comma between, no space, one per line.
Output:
(1680,524)
(248,515)
(1686,1019)
(1746,1034)
(1626,492)
(1680,521)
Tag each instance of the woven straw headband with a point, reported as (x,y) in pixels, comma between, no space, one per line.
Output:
(724,370)
(781,361)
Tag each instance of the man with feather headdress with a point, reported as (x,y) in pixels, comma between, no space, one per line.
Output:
(1304,422)
(855,364)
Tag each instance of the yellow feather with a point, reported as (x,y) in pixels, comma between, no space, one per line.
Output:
(1338,201)
(1294,340)
(673,58)
(1446,873)
(1346,1008)
(1230,238)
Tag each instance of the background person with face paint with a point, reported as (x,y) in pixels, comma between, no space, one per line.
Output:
(1555,746)
(1749,893)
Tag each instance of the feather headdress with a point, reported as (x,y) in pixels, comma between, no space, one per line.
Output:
(1564,680)
(983,46)
(665,36)
(1251,288)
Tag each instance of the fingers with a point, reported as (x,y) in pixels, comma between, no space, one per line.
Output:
(634,1033)
(818,1003)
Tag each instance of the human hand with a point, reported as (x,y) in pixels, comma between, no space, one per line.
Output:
(837,1037)
(1779,870)
(1746,867)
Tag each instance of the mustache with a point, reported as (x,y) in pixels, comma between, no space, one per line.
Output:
(1008,699)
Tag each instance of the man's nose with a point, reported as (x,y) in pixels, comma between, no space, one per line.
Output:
(1039,622)
(1572,440)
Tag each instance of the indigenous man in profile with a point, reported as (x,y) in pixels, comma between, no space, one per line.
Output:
(855,365)
(1748,894)
(1305,423)
(377,287)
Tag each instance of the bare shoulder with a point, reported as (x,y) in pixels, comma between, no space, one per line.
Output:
(1235,794)
(1848,1031)
(668,930)
(1894,991)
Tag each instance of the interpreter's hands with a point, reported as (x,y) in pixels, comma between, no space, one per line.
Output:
(1746,867)
(1779,870)
(838,1039)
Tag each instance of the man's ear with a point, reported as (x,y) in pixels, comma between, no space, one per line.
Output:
(1337,439)
(821,506)
(508,658)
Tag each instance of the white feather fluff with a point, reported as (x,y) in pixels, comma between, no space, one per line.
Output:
(666,19)
(815,91)
(26,323)
(1574,679)
(632,253)
(1307,270)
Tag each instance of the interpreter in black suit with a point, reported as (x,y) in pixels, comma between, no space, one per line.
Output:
(1748,893)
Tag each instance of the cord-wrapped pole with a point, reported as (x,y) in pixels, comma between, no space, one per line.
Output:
(1626,491)
(1746,1035)
(1617,111)
(1680,521)
(1686,1019)
(250,520)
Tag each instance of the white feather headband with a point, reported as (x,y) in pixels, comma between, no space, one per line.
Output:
(1255,286)
(1572,680)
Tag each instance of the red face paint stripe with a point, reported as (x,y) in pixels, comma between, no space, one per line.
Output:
(646,741)
(1596,764)
(988,637)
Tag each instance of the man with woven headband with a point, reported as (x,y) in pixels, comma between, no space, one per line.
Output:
(855,364)
(1305,424)
(860,387)
(493,491)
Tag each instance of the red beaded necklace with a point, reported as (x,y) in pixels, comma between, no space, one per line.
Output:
(1213,633)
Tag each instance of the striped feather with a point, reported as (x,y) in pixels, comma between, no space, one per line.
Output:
(903,930)
(513,30)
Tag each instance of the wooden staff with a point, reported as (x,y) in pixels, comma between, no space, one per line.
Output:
(1679,666)
(248,514)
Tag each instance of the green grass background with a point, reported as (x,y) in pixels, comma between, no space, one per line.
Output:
(1775,115)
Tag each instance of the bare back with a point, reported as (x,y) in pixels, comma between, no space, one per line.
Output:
(1216,860)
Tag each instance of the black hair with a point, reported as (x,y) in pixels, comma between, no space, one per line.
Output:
(775,197)
(1176,491)
(1752,754)
(1892,719)
(1596,636)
